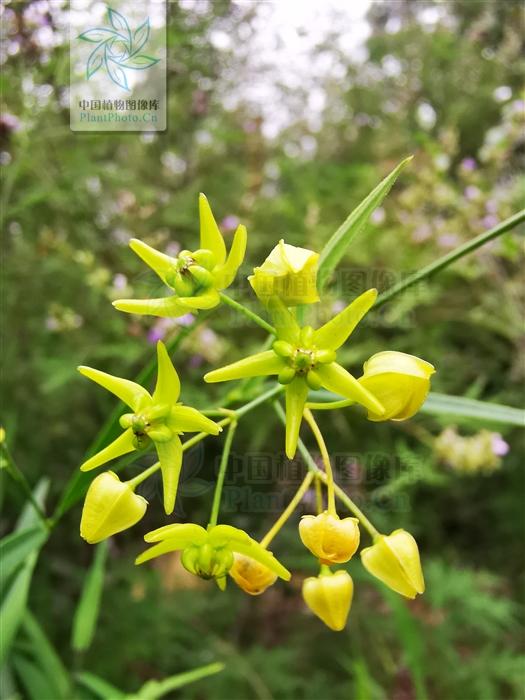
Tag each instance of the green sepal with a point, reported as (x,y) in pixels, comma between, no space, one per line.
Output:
(170,458)
(261,364)
(210,235)
(165,307)
(121,446)
(334,333)
(221,535)
(296,394)
(206,300)
(335,378)
(225,274)
(167,389)
(186,418)
(131,393)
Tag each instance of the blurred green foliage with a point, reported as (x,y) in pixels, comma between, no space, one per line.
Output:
(440,81)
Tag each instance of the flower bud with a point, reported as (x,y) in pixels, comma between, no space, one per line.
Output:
(331,540)
(400,383)
(250,575)
(110,507)
(289,273)
(394,560)
(329,596)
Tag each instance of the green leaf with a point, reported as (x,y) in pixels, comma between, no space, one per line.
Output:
(15,547)
(334,250)
(14,597)
(34,680)
(445,405)
(86,614)
(47,658)
(99,687)
(457,406)
(156,689)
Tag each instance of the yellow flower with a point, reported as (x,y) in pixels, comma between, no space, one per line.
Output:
(329,596)
(250,575)
(289,273)
(400,382)
(110,507)
(394,560)
(331,540)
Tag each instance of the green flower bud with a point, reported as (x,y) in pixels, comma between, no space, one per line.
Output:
(126,420)
(202,277)
(207,561)
(183,284)
(313,380)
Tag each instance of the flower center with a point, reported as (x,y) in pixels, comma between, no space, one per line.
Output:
(302,360)
(191,273)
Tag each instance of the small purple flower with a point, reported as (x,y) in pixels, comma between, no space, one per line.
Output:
(499,446)
(173,249)
(422,233)
(490,221)
(185,320)
(120,281)
(196,361)
(469,164)
(448,240)
(472,192)
(230,222)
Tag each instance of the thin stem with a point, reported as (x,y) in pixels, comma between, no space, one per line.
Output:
(277,389)
(143,475)
(287,512)
(222,473)
(449,258)
(329,405)
(318,495)
(325,457)
(341,495)
(19,478)
(249,314)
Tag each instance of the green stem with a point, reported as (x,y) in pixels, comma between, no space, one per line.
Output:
(249,314)
(143,475)
(326,460)
(341,495)
(222,473)
(287,512)
(277,389)
(19,478)
(446,260)
(329,405)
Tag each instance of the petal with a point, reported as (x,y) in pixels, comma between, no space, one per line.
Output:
(254,550)
(165,307)
(296,393)
(187,419)
(207,300)
(167,389)
(286,326)
(183,532)
(335,378)
(211,237)
(121,446)
(404,546)
(170,457)
(158,549)
(225,274)
(159,262)
(334,333)
(222,534)
(131,393)
(260,365)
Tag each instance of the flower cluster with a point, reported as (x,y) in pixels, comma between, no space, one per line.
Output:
(393,386)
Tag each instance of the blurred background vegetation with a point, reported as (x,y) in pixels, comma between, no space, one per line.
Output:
(286,119)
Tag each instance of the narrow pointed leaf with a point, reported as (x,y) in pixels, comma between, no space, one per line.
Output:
(170,457)
(131,393)
(121,446)
(260,365)
(334,333)
(254,550)
(47,657)
(188,419)
(286,326)
(100,687)
(152,690)
(210,235)
(86,613)
(167,389)
(338,243)
(165,307)
(225,274)
(15,547)
(296,394)
(182,532)
(335,378)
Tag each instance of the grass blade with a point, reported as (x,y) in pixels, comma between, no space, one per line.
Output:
(48,660)
(99,687)
(156,689)
(15,547)
(86,614)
